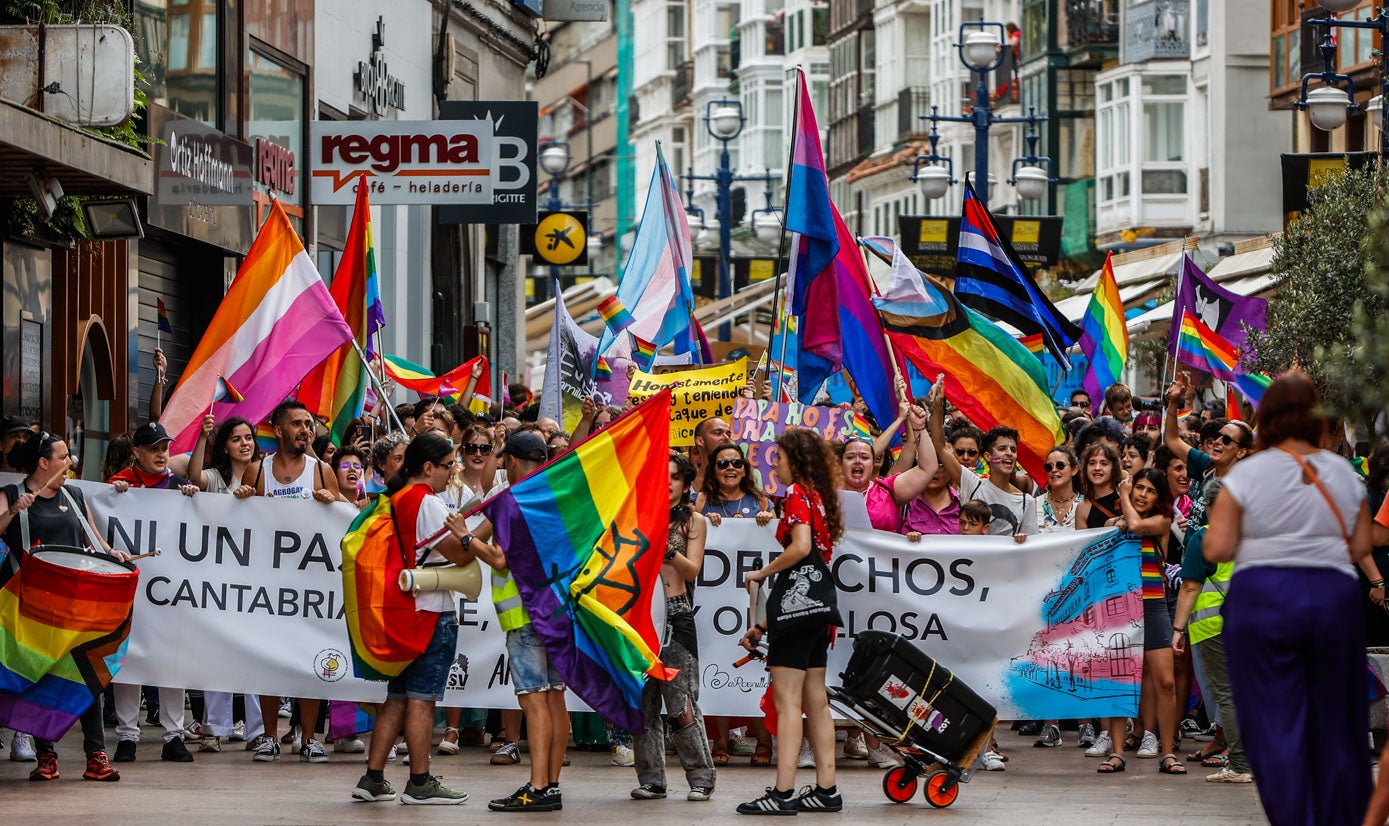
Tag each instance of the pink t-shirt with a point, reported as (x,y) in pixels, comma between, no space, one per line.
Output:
(883,511)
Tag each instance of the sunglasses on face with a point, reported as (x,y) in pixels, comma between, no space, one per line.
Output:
(967,451)
(483,449)
(725,464)
(1080,404)
(1227,441)
(1050,466)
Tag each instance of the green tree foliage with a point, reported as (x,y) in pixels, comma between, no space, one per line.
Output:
(1328,317)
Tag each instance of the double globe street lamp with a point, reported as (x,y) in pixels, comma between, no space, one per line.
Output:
(981,51)
(1328,105)
(724,120)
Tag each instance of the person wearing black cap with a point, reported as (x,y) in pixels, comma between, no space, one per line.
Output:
(150,470)
(13,430)
(538,687)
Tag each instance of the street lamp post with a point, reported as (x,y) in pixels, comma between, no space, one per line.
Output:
(981,53)
(1328,105)
(554,159)
(724,119)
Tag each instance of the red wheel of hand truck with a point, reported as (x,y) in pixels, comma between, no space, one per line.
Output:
(899,784)
(937,793)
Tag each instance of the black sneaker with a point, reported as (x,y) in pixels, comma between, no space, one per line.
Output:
(771,803)
(649,791)
(813,800)
(526,799)
(125,751)
(552,794)
(174,751)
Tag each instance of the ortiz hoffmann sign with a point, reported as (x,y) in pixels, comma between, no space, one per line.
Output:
(457,162)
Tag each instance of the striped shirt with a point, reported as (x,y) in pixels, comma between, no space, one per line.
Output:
(1151,569)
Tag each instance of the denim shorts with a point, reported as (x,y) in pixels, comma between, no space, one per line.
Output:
(425,678)
(531,669)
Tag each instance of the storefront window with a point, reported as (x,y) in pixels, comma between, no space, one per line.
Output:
(178,46)
(275,129)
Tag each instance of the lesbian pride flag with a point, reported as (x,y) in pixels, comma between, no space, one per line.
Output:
(275,324)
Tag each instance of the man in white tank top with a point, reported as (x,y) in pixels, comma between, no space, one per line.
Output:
(290,473)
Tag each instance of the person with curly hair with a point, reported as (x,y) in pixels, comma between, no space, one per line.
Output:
(730,492)
(802,613)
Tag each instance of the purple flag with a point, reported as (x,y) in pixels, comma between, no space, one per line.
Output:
(1227,314)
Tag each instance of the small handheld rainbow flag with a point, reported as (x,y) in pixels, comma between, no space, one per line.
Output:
(1232,411)
(614,314)
(1033,343)
(603,370)
(643,353)
(226,393)
(1104,334)
(861,429)
(164,325)
(266,439)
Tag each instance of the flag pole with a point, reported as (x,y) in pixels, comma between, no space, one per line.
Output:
(376,384)
(782,248)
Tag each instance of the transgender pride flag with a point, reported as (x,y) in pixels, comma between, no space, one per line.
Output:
(275,324)
(655,284)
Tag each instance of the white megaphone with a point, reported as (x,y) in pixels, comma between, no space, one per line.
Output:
(465,579)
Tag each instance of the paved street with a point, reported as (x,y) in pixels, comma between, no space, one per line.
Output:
(1057,786)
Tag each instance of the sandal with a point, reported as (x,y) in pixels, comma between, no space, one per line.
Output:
(1216,761)
(1109,767)
(449,745)
(1210,749)
(1131,742)
(720,755)
(762,756)
(1169,764)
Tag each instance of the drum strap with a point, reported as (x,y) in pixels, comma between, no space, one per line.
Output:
(81,515)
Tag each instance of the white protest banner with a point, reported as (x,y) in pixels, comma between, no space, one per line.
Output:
(247,597)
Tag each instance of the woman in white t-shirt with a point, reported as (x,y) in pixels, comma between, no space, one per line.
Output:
(1294,520)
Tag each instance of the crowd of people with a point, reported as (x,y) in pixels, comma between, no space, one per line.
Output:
(1260,584)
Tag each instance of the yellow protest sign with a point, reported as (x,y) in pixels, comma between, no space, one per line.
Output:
(696,395)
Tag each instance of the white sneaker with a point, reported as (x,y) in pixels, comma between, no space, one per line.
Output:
(194,733)
(22,748)
(210,745)
(1103,746)
(390,758)
(267,750)
(401,747)
(855,748)
(238,732)
(883,758)
(993,762)
(1148,749)
(350,745)
(623,756)
(285,711)
(1229,775)
(806,759)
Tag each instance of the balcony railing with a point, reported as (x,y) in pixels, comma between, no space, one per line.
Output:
(1157,30)
(1092,22)
(684,82)
(912,103)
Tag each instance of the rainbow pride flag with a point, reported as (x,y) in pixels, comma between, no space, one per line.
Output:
(275,324)
(412,376)
(989,375)
(336,389)
(1201,347)
(1104,334)
(165,326)
(603,370)
(643,353)
(1033,343)
(266,439)
(584,537)
(614,314)
(63,636)
(1253,385)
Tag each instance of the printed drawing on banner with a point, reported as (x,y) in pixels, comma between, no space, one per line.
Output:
(926,717)
(1090,646)
(330,665)
(896,692)
(458,673)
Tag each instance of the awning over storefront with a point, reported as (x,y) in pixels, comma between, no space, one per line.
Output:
(82,162)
